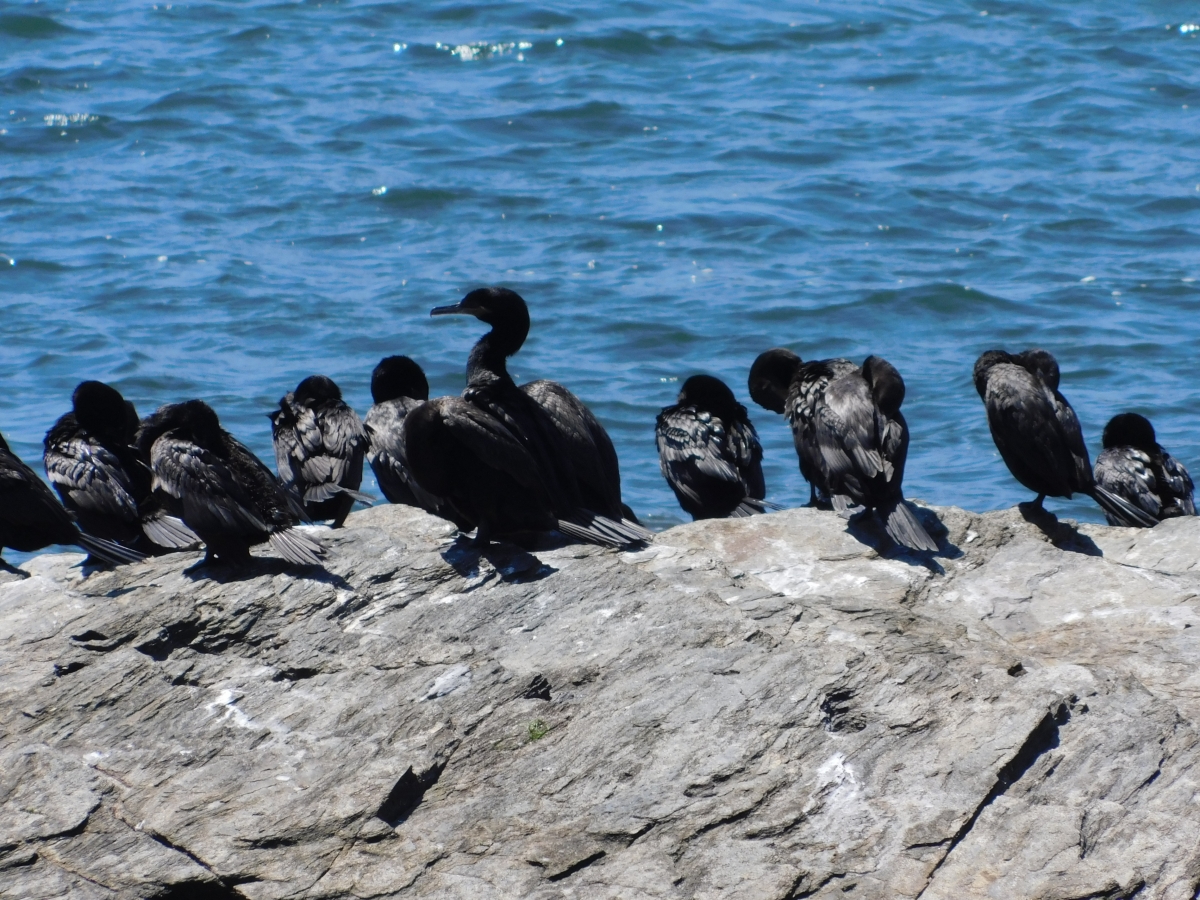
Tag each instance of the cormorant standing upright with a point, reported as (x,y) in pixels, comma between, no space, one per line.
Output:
(222,491)
(1037,432)
(319,448)
(398,386)
(31,518)
(1134,467)
(569,451)
(709,452)
(91,461)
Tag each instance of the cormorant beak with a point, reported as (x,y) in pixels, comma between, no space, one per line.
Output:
(456,310)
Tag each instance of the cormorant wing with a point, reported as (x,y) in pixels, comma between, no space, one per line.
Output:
(1072,434)
(593,456)
(491,440)
(845,432)
(1128,473)
(747,451)
(205,485)
(26,502)
(1023,419)
(91,476)
(1179,482)
(691,447)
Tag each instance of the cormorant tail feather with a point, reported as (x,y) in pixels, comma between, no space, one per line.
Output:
(170,532)
(1122,511)
(109,551)
(905,528)
(297,547)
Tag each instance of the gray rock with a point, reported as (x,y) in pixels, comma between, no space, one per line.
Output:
(755,708)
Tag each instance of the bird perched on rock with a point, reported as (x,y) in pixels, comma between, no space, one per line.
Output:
(1135,468)
(774,385)
(221,490)
(319,448)
(850,436)
(515,460)
(1037,432)
(709,452)
(31,518)
(91,461)
(398,386)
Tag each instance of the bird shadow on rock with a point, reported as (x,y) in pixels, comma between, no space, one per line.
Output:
(1063,535)
(232,573)
(867,528)
(513,564)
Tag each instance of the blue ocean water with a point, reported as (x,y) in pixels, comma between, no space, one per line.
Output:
(217,199)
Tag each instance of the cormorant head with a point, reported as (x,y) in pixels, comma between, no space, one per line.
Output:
(193,420)
(1040,363)
(710,395)
(887,387)
(1130,430)
(986,362)
(103,411)
(771,378)
(398,376)
(317,389)
(501,308)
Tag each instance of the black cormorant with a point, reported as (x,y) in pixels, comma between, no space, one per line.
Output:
(774,384)
(849,433)
(319,449)
(1135,468)
(32,518)
(573,457)
(91,461)
(398,386)
(709,452)
(221,490)
(1037,432)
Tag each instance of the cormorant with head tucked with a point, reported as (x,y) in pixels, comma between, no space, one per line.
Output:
(398,386)
(221,490)
(1037,432)
(1134,467)
(31,518)
(849,433)
(572,457)
(91,461)
(319,448)
(709,452)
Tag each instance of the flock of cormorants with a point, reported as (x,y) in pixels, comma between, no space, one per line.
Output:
(512,462)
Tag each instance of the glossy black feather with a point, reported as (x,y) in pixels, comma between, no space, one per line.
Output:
(221,490)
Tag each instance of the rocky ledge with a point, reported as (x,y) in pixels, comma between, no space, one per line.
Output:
(759,708)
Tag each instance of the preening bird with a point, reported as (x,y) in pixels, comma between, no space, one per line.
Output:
(774,385)
(91,462)
(1037,432)
(1134,467)
(709,452)
(512,457)
(319,448)
(398,386)
(850,436)
(221,490)
(31,518)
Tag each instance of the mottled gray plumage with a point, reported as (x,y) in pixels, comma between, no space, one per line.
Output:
(1037,432)
(849,433)
(1134,467)
(319,448)
(709,452)
(221,490)
(90,460)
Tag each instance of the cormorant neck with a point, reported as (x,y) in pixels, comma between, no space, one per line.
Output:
(487,363)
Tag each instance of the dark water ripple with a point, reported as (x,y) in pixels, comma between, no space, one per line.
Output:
(193,197)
